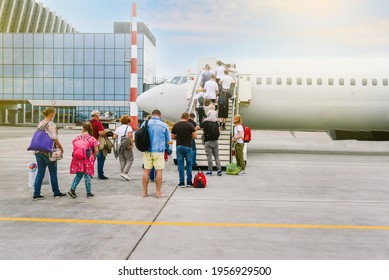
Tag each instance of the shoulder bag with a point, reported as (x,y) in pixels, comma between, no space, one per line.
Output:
(41,140)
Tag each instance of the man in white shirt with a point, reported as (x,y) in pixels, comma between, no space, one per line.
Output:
(226,81)
(219,71)
(225,93)
(211,89)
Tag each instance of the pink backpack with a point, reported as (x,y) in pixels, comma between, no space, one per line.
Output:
(82,147)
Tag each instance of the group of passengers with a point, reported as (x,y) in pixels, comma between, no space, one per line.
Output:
(211,103)
(216,87)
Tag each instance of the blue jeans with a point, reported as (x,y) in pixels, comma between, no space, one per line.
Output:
(77,179)
(184,152)
(43,162)
(100,164)
(194,152)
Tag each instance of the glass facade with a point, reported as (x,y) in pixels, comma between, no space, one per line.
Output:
(76,73)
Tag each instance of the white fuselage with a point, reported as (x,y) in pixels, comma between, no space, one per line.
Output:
(300,94)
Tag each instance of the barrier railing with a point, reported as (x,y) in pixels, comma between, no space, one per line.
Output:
(234,110)
(189,107)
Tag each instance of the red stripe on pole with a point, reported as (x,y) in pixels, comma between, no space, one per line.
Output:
(134,38)
(133,94)
(134,9)
(134,66)
(134,122)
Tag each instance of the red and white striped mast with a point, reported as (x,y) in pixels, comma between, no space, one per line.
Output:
(134,69)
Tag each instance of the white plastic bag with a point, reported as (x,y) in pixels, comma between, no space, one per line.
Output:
(33,171)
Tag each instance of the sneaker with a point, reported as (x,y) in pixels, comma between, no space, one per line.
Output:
(89,194)
(219,173)
(125,176)
(103,178)
(208,173)
(58,195)
(181,185)
(189,185)
(38,197)
(72,193)
(242,172)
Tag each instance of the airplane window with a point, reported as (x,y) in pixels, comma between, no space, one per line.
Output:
(175,80)
(259,81)
(364,82)
(279,81)
(352,82)
(184,80)
(309,81)
(299,81)
(385,82)
(268,81)
(374,82)
(330,81)
(289,81)
(341,82)
(319,81)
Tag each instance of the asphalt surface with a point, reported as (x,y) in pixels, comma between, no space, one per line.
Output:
(302,198)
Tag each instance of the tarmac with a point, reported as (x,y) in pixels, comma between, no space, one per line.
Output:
(302,198)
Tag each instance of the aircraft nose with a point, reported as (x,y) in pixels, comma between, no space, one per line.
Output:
(147,100)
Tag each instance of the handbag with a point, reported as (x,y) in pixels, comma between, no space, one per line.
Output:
(56,155)
(41,141)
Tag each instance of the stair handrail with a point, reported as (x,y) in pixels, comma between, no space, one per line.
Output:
(235,107)
(189,107)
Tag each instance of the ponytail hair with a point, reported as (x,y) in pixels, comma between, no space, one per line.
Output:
(87,126)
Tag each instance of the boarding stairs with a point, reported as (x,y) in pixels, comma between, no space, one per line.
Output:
(225,145)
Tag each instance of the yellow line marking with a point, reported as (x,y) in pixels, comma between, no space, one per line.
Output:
(193,224)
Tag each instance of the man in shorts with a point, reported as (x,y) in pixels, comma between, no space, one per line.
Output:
(159,143)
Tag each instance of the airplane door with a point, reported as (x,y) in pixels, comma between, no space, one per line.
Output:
(244,88)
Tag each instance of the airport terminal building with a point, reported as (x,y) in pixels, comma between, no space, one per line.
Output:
(46,62)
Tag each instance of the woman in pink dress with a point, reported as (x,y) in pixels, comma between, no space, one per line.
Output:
(83,166)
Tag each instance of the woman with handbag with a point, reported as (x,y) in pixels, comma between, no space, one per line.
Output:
(43,158)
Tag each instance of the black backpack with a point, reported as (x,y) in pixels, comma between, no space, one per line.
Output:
(223,97)
(211,131)
(142,138)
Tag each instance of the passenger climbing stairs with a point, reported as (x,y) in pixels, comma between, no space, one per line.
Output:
(224,144)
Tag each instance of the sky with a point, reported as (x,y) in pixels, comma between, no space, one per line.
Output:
(241,30)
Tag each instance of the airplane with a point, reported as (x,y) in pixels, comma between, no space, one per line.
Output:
(346,97)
